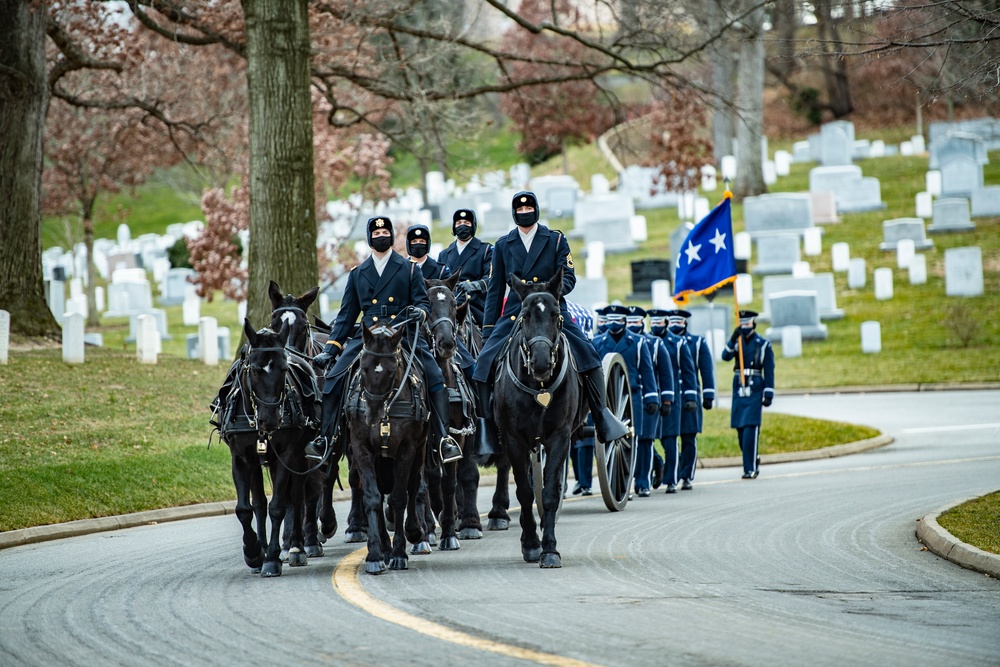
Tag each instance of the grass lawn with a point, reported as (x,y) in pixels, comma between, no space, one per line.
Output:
(976,522)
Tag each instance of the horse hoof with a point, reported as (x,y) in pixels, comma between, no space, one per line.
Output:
(297,558)
(432,539)
(531,555)
(449,544)
(356,536)
(314,551)
(550,560)
(255,570)
(375,566)
(271,568)
(399,563)
(283,555)
(470,534)
(498,524)
(255,562)
(421,549)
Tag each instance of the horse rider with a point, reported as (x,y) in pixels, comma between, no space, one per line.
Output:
(636,352)
(535,253)
(635,321)
(418,244)
(471,258)
(685,393)
(691,422)
(753,387)
(383,288)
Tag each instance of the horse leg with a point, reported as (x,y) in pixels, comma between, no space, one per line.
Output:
(432,499)
(276,512)
(415,526)
(357,522)
(552,492)
(467,473)
(296,502)
(327,516)
(449,542)
(372,499)
(253,554)
(498,517)
(531,549)
(311,506)
(421,509)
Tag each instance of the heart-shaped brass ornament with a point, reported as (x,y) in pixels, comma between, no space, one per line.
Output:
(543,398)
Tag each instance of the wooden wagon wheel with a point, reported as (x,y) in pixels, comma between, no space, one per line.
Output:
(616,459)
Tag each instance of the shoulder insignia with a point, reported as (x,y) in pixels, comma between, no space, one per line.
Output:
(569,260)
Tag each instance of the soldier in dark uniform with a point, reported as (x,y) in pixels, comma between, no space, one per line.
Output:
(636,351)
(418,244)
(691,422)
(382,289)
(756,390)
(471,259)
(535,253)
(682,365)
(665,381)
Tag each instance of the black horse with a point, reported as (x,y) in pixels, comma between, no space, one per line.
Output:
(537,403)
(445,320)
(304,341)
(268,418)
(387,409)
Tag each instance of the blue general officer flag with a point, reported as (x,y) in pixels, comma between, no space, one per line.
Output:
(706,261)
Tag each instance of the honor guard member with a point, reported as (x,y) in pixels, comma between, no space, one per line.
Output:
(664,372)
(691,422)
(384,289)
(535,253)
(753,387)
(637,351)
(685,394)
(471,258)
(418,244)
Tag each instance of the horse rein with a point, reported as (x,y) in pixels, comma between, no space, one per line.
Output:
(441,320)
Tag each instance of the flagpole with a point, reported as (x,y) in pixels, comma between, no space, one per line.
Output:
(736,307)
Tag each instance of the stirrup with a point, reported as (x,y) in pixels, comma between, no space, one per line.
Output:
(448,450)
(317,449)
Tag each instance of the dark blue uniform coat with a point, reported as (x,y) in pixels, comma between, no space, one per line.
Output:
(380,300)
(664,371)
(473,264)
(682,365)
(691,422)
(433,270)
(758,369)
(637,353)
(549,252)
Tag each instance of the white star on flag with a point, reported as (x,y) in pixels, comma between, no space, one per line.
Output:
(692,252)
(719,241)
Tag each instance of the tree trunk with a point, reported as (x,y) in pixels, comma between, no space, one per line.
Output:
(834,65)
(750,105)
(282,213)
(93,319)
(723,118)
(24,98)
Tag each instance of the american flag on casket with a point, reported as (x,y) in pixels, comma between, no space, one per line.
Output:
(582,316)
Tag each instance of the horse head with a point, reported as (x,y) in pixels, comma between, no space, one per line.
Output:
(292,309)
(266,364)
(380,359)
(541,324)
(442,323)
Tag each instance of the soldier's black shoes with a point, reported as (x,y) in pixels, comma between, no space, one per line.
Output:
(751,475)
(585,491)
(642,493)
(686,485)
(671,488)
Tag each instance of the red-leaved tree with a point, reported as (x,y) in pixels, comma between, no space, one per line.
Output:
(679,139)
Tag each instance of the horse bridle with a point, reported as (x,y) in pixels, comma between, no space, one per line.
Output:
(441,320)
(305,318)
(263,437)
(525,345)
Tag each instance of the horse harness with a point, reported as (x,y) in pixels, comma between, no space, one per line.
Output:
(461,394)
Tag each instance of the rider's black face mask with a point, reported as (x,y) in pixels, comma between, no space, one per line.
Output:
(526,219)
(418,250)
(381,243)
(463,232)
(636,328)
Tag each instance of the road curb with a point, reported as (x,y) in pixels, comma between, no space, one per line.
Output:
(947,546)
(810,455)
(880,389)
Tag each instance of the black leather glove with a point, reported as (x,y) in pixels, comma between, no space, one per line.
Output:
(736,334)
(469,286)
(690,406)
(413,310)
(665,408)
(650,408)
(767,401)
(326,358)
(706,403)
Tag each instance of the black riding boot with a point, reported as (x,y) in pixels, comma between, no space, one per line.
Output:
(606,425)
(448,449)
(487,442)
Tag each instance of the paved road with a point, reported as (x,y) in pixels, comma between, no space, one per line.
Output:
(813,563)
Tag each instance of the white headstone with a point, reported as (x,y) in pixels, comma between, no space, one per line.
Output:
(208,341)
(812,242)
(744,288)
(925,205)
(701,208)
(963,271)
(791,341)
(905,249)
(906,148)
(716,339)
(770,175)
(896,230)
(782,163)
(75,287)
(918,270)
(822,284)
(801,270)
(685,206)
(124,236)
(824,207)
(777,212)
(72,338)
(4,336)
(147,339)
(919,146)
(99,298)
(640,233)
(776,254)
(729,167)
(708,180)
(796,308)
(191,310)
(857,274)
(742,245)
(57,299)
(871,337)
(883,284)
(324,302)
(932,179)
(877,149)
(662,298)
(841,255)
(986,201)
(594,267)
(241,311)
(599,184)
(951,214)
(836,143)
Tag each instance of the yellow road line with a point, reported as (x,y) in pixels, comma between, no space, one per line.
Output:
(347,583)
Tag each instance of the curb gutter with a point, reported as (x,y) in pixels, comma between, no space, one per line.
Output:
(811,455)
(947,546)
